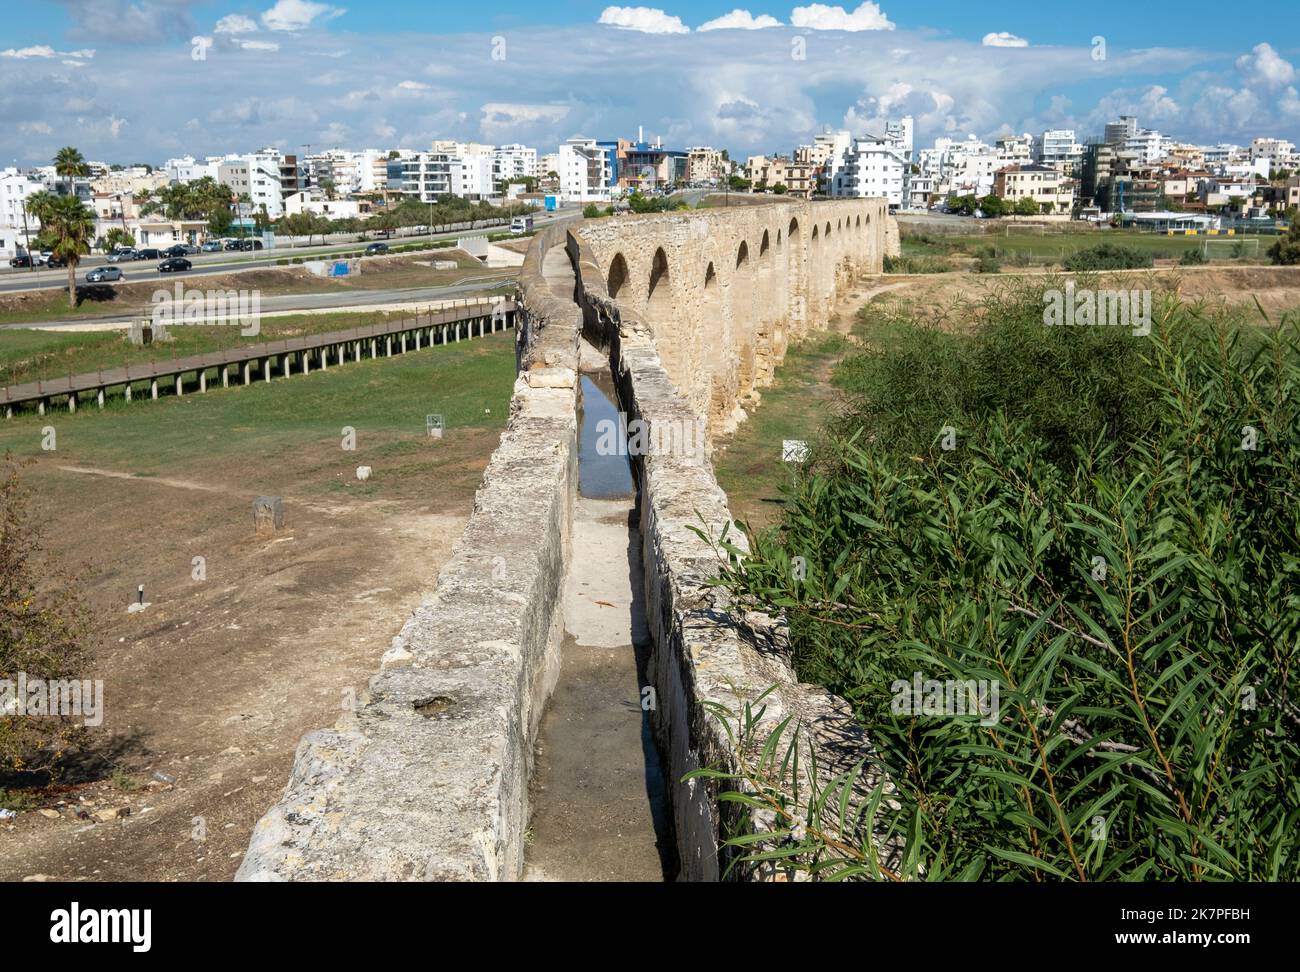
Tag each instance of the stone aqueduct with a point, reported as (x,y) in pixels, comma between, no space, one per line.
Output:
(428,777)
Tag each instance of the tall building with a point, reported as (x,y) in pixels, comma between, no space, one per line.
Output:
(1117,133)
(585,170)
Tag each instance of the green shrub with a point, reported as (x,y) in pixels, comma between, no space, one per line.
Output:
(1192,258)
(987,264)
(1106,256)
(1286,250)
(1113,541)
(909,264)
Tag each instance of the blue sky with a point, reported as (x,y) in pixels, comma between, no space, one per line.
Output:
(143,80)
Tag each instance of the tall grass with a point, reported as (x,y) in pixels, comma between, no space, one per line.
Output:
(1113,541)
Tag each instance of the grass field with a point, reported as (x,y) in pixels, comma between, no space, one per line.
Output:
(300,418)
(794,406)
(1033,247)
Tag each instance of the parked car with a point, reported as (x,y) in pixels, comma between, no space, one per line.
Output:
(104,275)
(43,257)
(375,249)
(250,244)
(175,251)
(22,260)
(122,254)
(232,244)
(211,246)
(175,265)
(54,262)
(148,254)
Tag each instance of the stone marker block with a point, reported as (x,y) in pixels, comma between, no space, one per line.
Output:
(363,473)
(268,514)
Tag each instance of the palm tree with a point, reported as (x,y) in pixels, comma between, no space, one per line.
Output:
(69,226)
(70,163)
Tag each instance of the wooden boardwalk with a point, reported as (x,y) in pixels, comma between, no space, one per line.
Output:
(434,327)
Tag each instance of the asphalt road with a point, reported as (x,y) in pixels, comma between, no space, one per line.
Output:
(300,302)
(12,280)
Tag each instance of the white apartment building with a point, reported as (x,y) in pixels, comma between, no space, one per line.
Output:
(1014,150)
(189,169)
(258,175)
(1148,145)
(584,170)
(873,167)
(1223,153)
(513,162)
(1058,148)
(15,187)
(968,167)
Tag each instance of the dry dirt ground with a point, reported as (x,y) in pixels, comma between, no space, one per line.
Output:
(209,689)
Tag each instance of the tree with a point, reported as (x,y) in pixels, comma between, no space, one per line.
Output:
(118,237)
(44,628)
(1025,206)
(966,205)
(70,163)
(68,228)
(780,188)
(1287,249)
(591,211)
(993,205)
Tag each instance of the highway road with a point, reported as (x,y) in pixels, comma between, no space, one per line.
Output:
(350,299)
(13,281)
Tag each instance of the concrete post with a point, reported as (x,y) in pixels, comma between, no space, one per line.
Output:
(9,411)
(72,402)
(128,391)
(417,339)
(101,398)
(306,362)
(248,372)
(374,349)
(388,347)
(403,342)
(40,407)
(153,388)
(225,376)
(266,369)
(179,387)
(203,380)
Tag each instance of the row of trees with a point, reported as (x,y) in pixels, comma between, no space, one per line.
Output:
(992,205)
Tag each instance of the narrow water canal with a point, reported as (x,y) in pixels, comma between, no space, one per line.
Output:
(599,803)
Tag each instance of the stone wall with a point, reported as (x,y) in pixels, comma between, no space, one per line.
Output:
(704,650)
(427,778)
(721,292)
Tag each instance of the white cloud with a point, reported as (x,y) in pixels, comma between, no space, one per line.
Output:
(235,24)
(413,86)
(1003,39)
(740,20)
(298,14)
(818,16)
(44,51)
(35,128)
(256,45)
(501,116)
(1265,67)
(648,20)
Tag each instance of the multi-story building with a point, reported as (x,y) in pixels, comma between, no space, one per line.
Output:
(17,226)
(258,176)
(1117,133)
(705,165)
(1051,192)
(873,167)
(1058,148)
(585,170)
(514,162)
(1147,145)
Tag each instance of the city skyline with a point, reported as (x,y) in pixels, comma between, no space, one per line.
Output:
(158,78)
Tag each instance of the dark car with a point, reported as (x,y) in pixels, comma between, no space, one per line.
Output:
(54,261)
(104,275)
(176,251)
(175,265)
(376,248)
(22,260)
(150,254)
(233,244)
(250,244)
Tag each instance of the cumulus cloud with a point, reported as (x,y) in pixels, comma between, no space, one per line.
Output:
(235,24)
(1003,39)
(740,20)
(298,14)
(413,86)
(257,45)
(1264,66)
(508,115)
(818,16)
(43,51)
(648,20)
(131,21)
